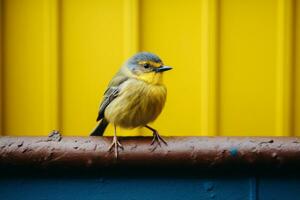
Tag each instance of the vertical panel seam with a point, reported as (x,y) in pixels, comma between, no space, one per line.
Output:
(209,68)
(1,67)
(51,76)
(253,189)
(284,68)
(59,32)
(46,63)
(131,27)
(294,70)
(131,31)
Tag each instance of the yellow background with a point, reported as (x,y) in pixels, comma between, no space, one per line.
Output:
(236,63)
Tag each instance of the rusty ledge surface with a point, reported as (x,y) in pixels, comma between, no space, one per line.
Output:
(206,152)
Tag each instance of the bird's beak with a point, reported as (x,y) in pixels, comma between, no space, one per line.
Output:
(162,69)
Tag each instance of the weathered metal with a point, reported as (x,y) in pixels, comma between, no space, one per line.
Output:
(203,152)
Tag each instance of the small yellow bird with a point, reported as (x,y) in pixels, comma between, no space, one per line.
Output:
(135,97)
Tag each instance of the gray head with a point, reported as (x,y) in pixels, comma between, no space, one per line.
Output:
(145,62)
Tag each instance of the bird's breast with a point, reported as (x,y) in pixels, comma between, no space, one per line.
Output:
(137,104)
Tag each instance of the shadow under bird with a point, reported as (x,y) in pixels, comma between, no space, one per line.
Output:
(135,97)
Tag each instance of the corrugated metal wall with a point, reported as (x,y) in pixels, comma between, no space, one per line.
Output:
(142,186)
(236,63)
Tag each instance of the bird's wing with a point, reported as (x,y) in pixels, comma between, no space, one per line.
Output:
(110,94)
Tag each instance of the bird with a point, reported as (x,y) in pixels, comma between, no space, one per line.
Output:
(135,97)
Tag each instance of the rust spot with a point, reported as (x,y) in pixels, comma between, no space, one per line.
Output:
(95,147)
(89,162)
(133,147)
(267,142)
(274,155)
(10,144)
(20,143)
(25,150)
(280,145)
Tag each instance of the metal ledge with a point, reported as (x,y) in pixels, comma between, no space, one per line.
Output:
(202,152)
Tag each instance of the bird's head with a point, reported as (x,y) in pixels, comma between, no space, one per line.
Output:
(147,67)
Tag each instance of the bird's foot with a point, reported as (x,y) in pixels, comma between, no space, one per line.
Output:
(157,139)
(115,143)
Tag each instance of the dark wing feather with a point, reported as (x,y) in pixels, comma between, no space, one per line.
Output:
(111,93)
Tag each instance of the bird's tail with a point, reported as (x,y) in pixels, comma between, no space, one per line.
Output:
(99,130)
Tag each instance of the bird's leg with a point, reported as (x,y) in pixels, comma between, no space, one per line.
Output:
(156,137)
(115,143)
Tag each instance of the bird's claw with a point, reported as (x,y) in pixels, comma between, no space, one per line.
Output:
(157,139)
(115,143)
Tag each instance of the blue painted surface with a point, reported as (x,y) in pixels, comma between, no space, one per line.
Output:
(279,188)
(149,188)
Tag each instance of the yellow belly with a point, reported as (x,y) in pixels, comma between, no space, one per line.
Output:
(137,104)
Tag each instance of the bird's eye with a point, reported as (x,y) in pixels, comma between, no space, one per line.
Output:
(146,65)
